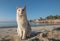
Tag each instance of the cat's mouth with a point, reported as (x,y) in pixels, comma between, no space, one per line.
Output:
(20,15)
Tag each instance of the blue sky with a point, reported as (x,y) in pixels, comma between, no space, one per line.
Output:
(34,8)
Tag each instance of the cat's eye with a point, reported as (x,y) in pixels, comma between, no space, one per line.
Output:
(18,10)
(22,9)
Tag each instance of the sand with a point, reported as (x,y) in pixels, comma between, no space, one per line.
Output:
(39,33)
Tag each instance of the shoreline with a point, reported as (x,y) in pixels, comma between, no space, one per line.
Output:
(32,26)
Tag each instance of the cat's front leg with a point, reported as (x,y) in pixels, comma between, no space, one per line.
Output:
(19,33)
(24,34)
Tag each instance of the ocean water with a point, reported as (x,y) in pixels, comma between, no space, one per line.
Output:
(4,24)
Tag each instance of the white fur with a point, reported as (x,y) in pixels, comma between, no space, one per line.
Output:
(24,28)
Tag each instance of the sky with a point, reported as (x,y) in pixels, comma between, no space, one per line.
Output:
(34,8)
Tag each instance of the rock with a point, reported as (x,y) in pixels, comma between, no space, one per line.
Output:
(45,39)
(50,34)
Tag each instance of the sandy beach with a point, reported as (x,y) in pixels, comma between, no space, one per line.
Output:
(6,33)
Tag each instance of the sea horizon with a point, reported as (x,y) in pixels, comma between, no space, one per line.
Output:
(14,23)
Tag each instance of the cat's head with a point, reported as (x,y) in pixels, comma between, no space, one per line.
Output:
(21,11)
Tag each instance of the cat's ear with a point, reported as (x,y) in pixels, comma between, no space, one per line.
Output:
(24,7)
(17,7)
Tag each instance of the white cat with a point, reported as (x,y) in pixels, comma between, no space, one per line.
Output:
(24,28)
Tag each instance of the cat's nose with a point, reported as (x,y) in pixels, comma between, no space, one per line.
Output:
(21,12)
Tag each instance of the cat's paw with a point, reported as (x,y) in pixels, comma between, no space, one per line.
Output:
(23,38)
